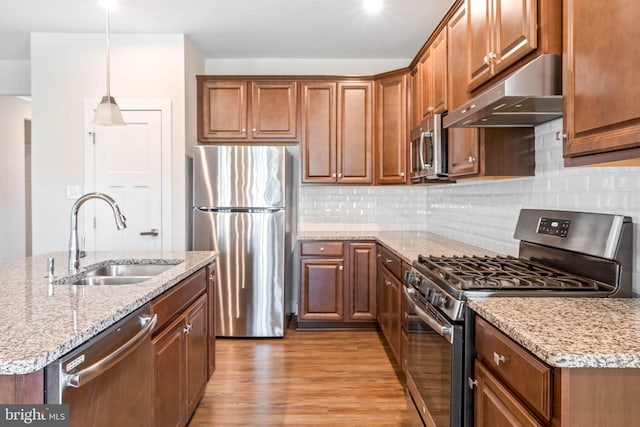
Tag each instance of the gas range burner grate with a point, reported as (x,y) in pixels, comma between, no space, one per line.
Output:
(503,273)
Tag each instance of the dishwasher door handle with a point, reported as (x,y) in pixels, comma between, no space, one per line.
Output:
(89,373)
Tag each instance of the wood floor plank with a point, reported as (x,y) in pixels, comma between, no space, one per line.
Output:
(308,378)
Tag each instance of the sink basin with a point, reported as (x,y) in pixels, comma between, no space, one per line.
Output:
(117,270)
(109,280)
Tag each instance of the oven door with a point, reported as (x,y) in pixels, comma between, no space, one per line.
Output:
(435,364)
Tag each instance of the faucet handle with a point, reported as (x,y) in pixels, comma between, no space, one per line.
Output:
(50,267)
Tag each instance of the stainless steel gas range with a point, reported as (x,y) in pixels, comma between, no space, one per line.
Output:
(561,254)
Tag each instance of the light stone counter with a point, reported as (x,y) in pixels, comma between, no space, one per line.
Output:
(41,322)
(406,244)
(570,332)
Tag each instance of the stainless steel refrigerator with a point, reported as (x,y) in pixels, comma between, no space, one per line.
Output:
(242,209)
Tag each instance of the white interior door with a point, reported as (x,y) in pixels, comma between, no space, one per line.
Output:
(126,163)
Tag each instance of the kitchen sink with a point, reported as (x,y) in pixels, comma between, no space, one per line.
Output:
(109,280)
(118,270)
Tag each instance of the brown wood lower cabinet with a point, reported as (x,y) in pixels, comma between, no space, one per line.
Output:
(390,271)
(337,284)
(515,388)
(180,347)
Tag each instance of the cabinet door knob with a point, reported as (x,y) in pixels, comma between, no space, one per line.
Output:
(486,59)
(244,130)
(388,261)
(339,175)
(321,249)
(333,175)
(402,174)
(472,159)
(253,130)
(341,268)
(472,383)
(498,358)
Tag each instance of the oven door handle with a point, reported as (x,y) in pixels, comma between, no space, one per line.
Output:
(443,329)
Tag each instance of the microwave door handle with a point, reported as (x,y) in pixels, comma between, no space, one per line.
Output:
(421,151)
(426,164)
(444,330)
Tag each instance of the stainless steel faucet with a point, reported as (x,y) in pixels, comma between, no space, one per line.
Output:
(74,249)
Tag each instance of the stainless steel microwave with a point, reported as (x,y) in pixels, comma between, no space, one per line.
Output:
(429,150)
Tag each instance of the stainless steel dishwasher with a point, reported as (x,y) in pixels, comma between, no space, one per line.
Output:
(108,381)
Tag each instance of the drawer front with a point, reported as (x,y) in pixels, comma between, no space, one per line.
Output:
(177,299)
(322,248)
(522,372)
(391,261)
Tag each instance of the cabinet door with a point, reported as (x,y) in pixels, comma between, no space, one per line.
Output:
(211,323)
(196,353)
(355,133)
(457,78)
(273,112)
(321,289)
(391,134)
(439,73)
(392,309)
(414,103)
(223,110)
(496,406)
(361,285)
(479,48)
(169,354)
(426,89)
(464,152)
(318,144)
(601,90)
(515,25)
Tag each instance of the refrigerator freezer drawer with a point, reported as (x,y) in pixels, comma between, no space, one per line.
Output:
(251,263)
(235,176)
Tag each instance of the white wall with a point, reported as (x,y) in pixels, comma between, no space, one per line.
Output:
(13,112)
(484,213)
(66,69)
(302,66)
(15,77)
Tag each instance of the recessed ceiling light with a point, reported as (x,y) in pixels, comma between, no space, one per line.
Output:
(373,6)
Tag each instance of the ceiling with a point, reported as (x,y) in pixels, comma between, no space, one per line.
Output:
(238,28)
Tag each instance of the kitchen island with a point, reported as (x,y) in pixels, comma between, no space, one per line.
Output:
(39,321)
(573,360)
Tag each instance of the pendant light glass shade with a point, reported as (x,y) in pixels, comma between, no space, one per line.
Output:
(107,112)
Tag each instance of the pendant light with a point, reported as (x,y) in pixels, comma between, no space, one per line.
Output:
(107,112)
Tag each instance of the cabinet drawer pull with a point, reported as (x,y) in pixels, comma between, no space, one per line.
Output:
(498,358)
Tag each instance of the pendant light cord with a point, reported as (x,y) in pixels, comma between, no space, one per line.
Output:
(108,65)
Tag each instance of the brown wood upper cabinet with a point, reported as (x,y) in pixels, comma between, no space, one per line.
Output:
(500,33)
(391,130)
(601,86)
(237,109)
(337,132)
(489,152)
(433,77)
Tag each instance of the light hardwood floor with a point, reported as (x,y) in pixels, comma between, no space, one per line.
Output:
(334,378)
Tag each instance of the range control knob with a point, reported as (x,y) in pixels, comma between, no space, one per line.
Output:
(438,299)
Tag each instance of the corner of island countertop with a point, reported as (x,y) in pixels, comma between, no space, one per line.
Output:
(569,332)
(40,321)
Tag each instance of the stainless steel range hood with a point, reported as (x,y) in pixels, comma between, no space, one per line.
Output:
(530,96)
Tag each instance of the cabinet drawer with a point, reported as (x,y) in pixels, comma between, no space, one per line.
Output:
(522,372)
(391,261)
(322,248)
(176,300)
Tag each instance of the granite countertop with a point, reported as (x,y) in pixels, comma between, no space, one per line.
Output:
(406,244)
(570,332)
(41,322)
